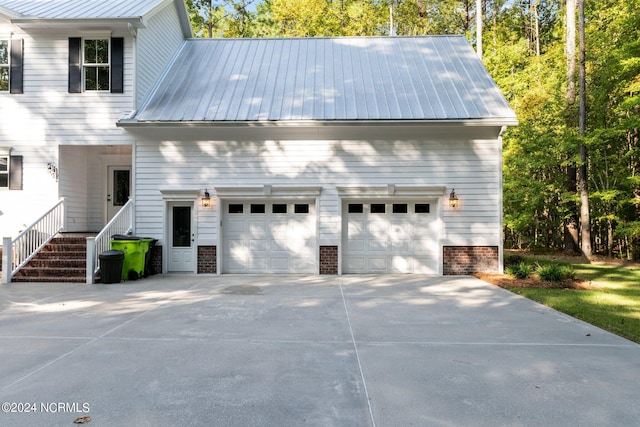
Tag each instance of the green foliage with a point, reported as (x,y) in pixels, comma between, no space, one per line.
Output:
(555,273)
(519,271)
(614,304)
(511,259)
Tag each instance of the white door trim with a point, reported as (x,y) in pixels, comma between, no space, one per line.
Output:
(178,197)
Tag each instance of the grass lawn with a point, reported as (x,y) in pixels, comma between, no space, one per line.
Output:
(614,305)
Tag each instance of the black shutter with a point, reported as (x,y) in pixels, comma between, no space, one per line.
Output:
(117,65)
(15,173)
(75,65)
(15,73)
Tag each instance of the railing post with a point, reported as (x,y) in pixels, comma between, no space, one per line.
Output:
(91,260)
(7,256)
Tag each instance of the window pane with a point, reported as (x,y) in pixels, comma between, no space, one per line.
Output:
(4,180)
(4,78)
(422,208)
(90,51)
(257,209)
(236,209)
(301,208)
(121,183)
(4,52)
(279,208)
(103,78)
(356,208)
(4,164)
(399,208)
(90,78)
(181,226)
(102,52)
(378,208)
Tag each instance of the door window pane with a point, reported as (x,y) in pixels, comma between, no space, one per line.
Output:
(422,207)
(257,208)
(378,208)
(181,226)
(279,208)
(236,209)
(121,183)
(399,208)
(356,208)
(301,208)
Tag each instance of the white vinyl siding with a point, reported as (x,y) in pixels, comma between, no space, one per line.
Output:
(472,167)
(40,190)
(46,114)
(156,44)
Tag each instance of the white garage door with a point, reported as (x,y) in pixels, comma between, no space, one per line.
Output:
(390,237)
(269,237)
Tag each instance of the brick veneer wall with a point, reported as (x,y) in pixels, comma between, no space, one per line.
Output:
(467,260)
(207,263)
(328,260)
(156,260)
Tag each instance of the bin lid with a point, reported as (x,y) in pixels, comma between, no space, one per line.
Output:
(111,254)
(124,237)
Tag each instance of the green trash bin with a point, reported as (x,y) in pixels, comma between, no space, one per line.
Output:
(135,250)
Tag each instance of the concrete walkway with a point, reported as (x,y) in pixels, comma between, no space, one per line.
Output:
(306,350)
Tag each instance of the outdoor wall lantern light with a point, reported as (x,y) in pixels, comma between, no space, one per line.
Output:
(206,199)
(53,171)
(453,199)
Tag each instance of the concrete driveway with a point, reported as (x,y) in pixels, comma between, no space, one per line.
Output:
(305,350)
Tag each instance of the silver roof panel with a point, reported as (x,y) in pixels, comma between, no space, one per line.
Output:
(326,79)
(74,9)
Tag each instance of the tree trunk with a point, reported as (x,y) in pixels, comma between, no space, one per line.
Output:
(479,27)
(585,226)
(571,233)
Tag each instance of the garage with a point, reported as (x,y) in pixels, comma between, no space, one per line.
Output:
(390,236)
(267,236)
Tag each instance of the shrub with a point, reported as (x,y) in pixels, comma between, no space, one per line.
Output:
(555,273)
(519,271)
(512,260)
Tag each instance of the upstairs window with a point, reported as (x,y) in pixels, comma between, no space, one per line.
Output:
(11,66)
(4,65)
(4,171)
(96,65)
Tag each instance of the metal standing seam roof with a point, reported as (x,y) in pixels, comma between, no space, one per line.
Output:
(74,9)
(325,79)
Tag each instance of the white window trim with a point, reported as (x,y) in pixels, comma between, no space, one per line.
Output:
(391,190)
(263,191)
(98,36)
(7,65)
(6,152)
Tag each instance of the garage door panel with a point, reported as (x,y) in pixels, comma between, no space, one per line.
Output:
(258,245)
(375,246)
(256,240)
(378,265)
(390,237)
(401,264)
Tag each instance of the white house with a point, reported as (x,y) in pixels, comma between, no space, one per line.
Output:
(315,155)
(75,68)
(330,155)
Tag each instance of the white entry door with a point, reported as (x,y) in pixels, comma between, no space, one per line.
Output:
(118,189)
(269,237)
(390,237)
(181,238)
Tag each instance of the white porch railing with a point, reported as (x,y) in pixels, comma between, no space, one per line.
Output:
(16,253)
(121,223)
